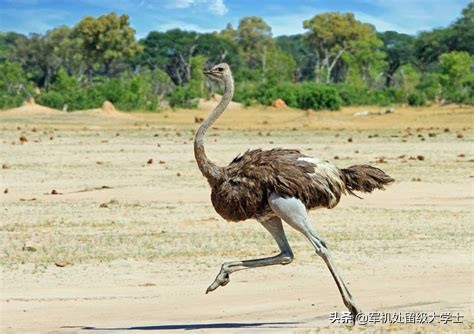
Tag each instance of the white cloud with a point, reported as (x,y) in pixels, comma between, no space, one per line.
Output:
(183,26)
(381,24)
(405,16)
(413,16)
(291,24)
(217,7)
(180,3)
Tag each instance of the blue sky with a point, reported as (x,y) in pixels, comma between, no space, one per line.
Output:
(285,16)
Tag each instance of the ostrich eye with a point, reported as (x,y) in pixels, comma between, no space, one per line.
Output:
(220,69)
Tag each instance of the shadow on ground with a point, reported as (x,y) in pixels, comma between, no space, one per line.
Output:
(223,325)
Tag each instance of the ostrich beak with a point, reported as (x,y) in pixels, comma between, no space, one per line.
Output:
(211,74)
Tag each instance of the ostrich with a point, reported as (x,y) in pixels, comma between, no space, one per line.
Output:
(278,185)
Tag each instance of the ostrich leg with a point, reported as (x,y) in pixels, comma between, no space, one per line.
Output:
(274,226)
(293,212)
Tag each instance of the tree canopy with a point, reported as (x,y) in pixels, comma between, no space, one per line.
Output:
(106,40)
(341,58)
(331,35)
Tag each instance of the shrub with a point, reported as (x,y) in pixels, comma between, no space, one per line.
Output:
(318,97)
(142,92)
(245,93)
(10,101)
(14,87)
(64,83)
(52,99)
(456,76)
(266,94)
(183,97)
(416,99)
(430,85)
(303,96)
(351,95)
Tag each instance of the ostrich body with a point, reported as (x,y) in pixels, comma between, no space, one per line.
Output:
(278,185)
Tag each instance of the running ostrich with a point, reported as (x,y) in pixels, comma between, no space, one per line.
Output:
(275,185)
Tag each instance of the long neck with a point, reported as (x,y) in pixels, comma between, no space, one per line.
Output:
(210,170)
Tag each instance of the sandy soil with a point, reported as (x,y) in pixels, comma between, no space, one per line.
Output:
(129,246)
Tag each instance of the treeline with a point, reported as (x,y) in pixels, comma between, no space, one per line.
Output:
(338,61)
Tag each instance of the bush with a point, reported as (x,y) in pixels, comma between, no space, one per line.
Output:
(304,96)
(142,92)
(52,99)
(183,97)
(318,96)
(430,86)
(351,95)
(456,76)
(266,94)
(85,98)
(310,95)
(10,101)
(14,87)
(245,93)
(416,99)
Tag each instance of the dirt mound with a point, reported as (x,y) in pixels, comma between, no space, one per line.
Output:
(107,110)
(279,104)
(107,106)
(30,107)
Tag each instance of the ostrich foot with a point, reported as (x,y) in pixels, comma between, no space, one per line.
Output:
(354,311)
(221,280)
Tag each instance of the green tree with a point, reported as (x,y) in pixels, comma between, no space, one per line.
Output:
(107,41)
(430,85)
(429,45)
(457,75)
(280,66)
(14,86)
(464,30)
(43,55)
(365,62)
(216,50)
(35,55)
(64,83)
(331,35)
(67,49)
(254,38)
(172,51)
(264,59)
(399,50)
(197,82)
(407,77)
(8,42)
(303,55)
(229,33)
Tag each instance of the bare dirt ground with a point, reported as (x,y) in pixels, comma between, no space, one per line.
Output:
(96,237)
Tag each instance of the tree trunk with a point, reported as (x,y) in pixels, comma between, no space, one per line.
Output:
(47,77)
(107,68)
(333,63)
(317,68)
(90,74)
(390,72)
(186,66)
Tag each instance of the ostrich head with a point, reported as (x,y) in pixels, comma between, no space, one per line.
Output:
(219,72)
